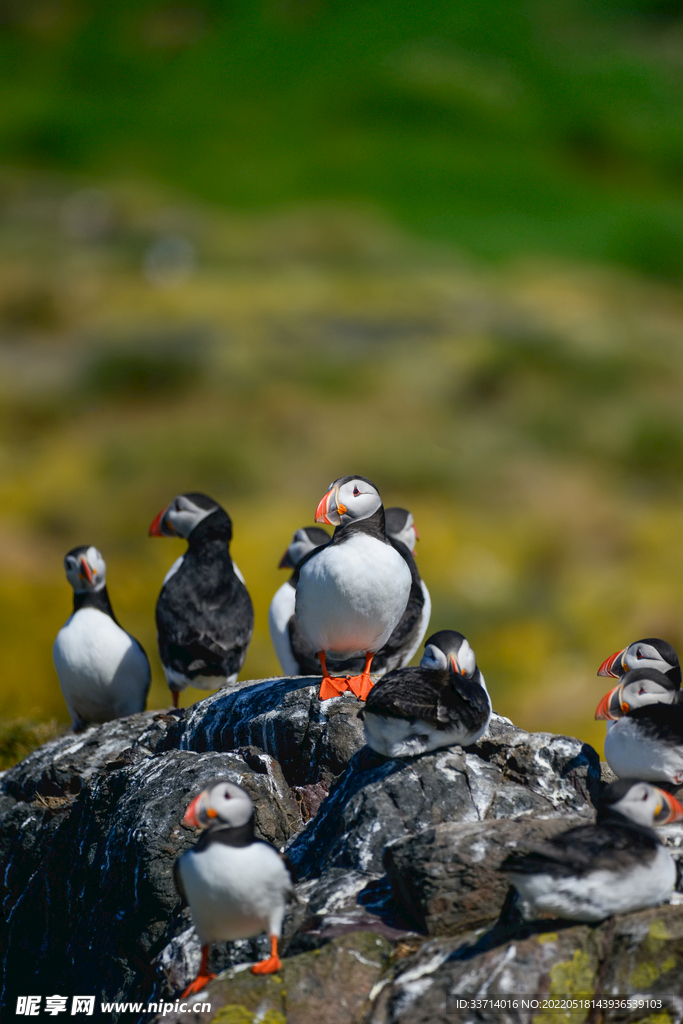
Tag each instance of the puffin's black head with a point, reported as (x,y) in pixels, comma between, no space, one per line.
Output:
(221,802)
(348,499)
(449,649)
(85,569)
(186,512)
(652,652)
(640,802)
(637,689)
(303,541)
(400,526)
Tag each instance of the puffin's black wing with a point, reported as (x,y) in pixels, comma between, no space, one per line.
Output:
(302,649)
(408,693)
(660,722)
(204,622)
(614,845)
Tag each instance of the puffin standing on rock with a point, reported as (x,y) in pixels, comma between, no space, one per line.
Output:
(298,657)
(204,614)
(594,871)
(103,670)
(352,593)
(236,886)
(442,702)
(646,738)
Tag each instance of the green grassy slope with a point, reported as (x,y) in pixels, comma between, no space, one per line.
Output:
(502,128)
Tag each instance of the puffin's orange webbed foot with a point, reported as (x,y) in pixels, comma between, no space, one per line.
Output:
(332,687)
(272,964)
(202,979)
(362,684)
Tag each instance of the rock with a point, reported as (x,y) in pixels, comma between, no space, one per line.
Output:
(312,741)
(447,877)
(90,830)
(508,774)
(329,985)
(637,954)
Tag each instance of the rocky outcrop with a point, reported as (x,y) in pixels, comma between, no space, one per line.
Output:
(400,907)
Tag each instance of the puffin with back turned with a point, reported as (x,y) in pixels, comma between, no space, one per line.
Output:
(297,656)
(204,614)
(351,593)
(442,702)
(646,738)
(236,886)
(103,670)
(612,867)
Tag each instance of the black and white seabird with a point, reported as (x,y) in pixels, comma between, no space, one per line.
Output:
(646,738)
(442,702)
(594,871)
(281,610)
(648,653)
(204,614)
(297,655)
(236,886)
(352,593)
(103,670)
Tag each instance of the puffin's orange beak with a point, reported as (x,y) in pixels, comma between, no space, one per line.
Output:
(155,528)
(87,571)
(671,809)
(607,668)
(330,506)
(609,707)
(190,819)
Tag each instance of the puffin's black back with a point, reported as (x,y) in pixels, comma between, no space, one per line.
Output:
(204,614)
(436,696)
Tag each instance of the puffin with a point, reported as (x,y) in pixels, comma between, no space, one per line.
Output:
(235,885)
(298,657)
(103,671)
(648,653)
(204,614)
(442,702)
(612,867)
(281,610)
(352,593)
(646,738)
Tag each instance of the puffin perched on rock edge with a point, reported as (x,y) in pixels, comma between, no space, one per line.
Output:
(351,593)
(204,614)
(442,702)
(103,671)
(646,738)
(298,657)
(612,867)
(236,886)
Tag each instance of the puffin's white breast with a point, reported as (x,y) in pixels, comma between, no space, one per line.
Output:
(350,596)
(102,671)
(632,754)
(280,612)
(601,893)
(235,892)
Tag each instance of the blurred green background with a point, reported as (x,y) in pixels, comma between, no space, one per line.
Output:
(248,248)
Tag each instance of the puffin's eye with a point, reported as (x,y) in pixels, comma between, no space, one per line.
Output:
(226,795)
(641,690)
(356,492)
(639,654)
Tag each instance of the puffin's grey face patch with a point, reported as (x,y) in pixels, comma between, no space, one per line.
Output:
(231,804)
(184,515)
(640,804)
(433,657)
(360,498)
(644,655)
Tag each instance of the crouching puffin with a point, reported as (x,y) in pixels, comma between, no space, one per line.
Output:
(298,657)
(594,871)
(351,593)
(646,738)
(103,670)
(204,613)
(236,886)
(442,702)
